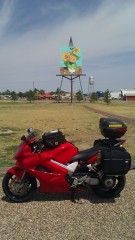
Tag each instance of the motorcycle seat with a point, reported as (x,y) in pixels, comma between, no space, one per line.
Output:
(85,155)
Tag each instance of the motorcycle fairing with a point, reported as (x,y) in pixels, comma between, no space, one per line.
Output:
(70,167)
(62,153)
(16,171)
(51,182)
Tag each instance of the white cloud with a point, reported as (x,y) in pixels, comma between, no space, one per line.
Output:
(5,17)
(64,5)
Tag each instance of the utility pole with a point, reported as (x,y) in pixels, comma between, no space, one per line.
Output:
(33,86)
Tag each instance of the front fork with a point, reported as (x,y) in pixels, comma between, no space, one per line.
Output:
(23,176)
(19,173)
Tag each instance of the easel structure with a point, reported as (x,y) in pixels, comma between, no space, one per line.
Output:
(70,77)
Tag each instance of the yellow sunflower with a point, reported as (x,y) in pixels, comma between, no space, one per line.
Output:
(76,50)
(73,59)
(66,56)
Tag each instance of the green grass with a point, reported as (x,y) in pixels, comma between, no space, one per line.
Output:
(79,125)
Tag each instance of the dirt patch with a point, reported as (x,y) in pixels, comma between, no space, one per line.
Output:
(5,131)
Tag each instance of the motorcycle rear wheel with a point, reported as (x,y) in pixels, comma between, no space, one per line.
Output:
(18,191)
(106,192)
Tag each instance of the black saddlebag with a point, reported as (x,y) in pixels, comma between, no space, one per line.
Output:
(53,139)
(115,161)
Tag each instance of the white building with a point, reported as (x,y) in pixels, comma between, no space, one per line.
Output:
(115,95)
(127,92)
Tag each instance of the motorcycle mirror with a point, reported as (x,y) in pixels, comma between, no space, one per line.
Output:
(23,138)
(30,130)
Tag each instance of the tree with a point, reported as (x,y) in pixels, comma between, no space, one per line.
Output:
(94,97)
(107,97)
(79,96)
(7,92)
(30,96)
(41,91)
(21,95)
(14,96)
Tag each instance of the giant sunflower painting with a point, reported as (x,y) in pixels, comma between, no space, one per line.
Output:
(71,61)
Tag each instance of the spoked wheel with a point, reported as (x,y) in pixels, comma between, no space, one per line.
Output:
(110,186)
(16,190)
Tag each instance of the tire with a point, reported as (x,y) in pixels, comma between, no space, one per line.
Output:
(110,192)
(17,192)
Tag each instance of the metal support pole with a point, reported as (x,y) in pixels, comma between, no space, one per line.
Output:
(60,89)
(81,87)
(71,89)
(71,78)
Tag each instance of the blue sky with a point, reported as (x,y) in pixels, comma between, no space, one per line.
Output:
(33,31)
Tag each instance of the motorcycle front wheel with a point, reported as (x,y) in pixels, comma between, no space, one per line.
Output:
(16,190)
(110,187)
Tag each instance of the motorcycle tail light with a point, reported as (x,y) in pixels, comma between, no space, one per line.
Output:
(121,129)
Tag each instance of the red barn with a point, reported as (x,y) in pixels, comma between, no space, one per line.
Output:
(130,97)
(45,96)
(128,94)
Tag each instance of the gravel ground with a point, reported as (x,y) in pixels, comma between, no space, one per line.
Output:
(54,216)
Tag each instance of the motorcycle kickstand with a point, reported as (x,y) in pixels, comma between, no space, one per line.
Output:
(73,196)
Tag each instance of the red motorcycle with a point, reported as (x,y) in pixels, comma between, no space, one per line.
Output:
(59,166)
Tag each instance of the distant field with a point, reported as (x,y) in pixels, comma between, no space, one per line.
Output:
(122,108)
(79,125)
